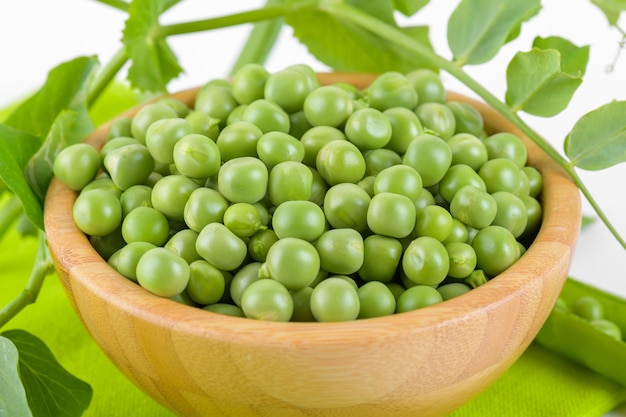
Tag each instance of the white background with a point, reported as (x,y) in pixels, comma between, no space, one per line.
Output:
(36,35)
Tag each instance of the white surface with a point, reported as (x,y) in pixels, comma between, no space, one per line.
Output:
(35,35)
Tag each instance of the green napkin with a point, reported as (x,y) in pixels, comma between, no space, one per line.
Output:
(540,383)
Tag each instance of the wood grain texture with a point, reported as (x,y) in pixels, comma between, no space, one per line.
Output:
(421,363)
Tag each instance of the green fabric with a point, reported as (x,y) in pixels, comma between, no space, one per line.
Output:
(540,383)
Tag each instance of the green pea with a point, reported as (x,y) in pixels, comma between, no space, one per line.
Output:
(302,305)
(170,194)
(243,180)
(434,221)
(145,224)
(221,247)
(327,106)
(238,139)
(496,249)
(267,300)
(376,160)
(129,165)
(381,257)
(267,116)
(474,207)
(346,205)
(449,291)
(468,149)
(334,300)
(417,297)
(196,156)
(368,128)
(128,258)
(206,282)
(163,134)
(462,259)
(289,181)
(392,89)
(76,165)
(316,137)
(405,126)
(204,206)
(428,85)
(430,156)
(162,272)
(97,212)
(340,161)
(183,243)
(276,147)
(249,83)
(467,118)
(588,307)
(341,251)
(215,100)
(385,206)
(376,300)
(437,118)
(425,261)
(146,116)
(243,219)
(299,218)
(293,262)
(226,309)
(506,145)
(260,243)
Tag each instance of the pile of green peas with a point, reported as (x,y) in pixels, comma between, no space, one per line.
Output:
(277,198)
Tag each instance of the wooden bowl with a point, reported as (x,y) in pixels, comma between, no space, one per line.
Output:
(421,363)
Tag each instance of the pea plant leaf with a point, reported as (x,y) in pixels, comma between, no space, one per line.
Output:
(409,7)
(50,389)
(153,63)
(13,400)
(536,84)
(38,170)
(16,148)
(598,139)
(611,9)
(348,47)
(65,88)
(574,58)
(477,29)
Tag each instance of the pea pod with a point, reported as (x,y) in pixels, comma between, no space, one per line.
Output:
(577,339)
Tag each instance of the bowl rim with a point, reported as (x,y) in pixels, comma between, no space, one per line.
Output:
(554,244)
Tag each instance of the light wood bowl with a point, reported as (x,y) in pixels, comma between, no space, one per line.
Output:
(422,363)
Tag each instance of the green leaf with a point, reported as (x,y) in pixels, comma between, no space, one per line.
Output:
(65,88)
(409,7)
(12,395)
(536,84)
(16,148)
(153,63)
(51,390)
(611,9)
(574,58)
(348,47)
(477,29)
(598,140)
(38,170)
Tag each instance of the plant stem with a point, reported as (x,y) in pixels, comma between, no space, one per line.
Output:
(260,41)
(9,212)
(106,75)
(385,31)
(41,269)
(117,4)
(265,13)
